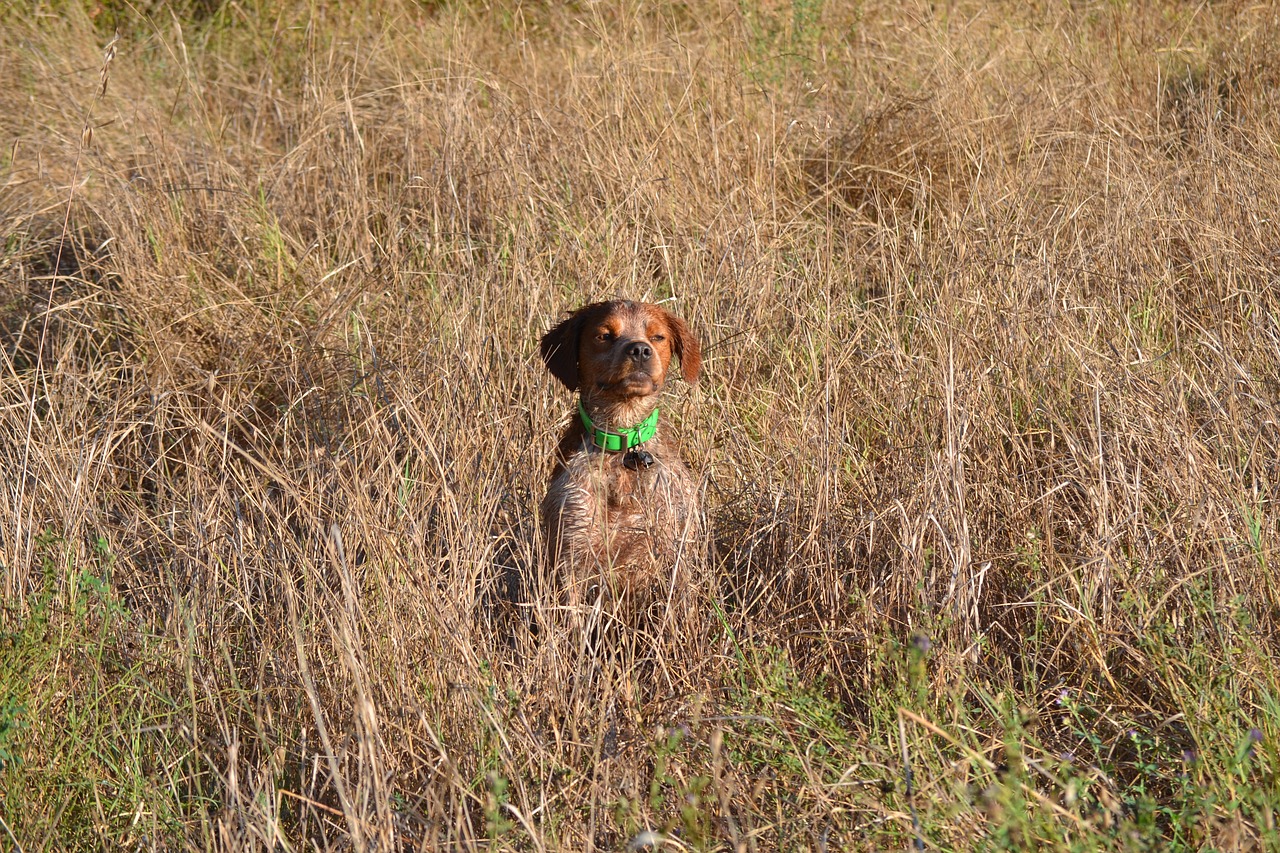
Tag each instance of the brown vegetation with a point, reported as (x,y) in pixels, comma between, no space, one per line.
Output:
(989,296)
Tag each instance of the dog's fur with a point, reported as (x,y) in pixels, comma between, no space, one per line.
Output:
(603,520)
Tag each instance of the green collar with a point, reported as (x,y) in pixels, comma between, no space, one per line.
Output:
(624,439)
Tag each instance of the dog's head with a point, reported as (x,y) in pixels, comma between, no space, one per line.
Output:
(616,354)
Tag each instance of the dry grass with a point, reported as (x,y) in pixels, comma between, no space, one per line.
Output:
(990,297)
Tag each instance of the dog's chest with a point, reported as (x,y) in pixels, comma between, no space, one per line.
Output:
(599,490)
(612,486)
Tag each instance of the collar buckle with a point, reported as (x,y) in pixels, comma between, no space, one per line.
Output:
(623,439)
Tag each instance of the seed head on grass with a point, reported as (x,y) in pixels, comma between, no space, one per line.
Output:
(989,322)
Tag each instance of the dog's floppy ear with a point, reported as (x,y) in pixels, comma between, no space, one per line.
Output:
(685,346)
(560,350)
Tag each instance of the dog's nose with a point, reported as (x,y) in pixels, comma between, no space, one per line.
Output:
(639,351)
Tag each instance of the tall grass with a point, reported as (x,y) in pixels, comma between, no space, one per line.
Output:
(989,295)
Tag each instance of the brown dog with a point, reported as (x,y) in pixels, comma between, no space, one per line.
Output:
(621,505)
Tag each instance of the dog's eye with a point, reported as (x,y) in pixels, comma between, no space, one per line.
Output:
(605,337)
(658,338)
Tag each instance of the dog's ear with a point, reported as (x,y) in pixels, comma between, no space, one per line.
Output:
(686,347)
(560,350)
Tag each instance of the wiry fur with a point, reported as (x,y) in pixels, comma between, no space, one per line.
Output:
(605,522)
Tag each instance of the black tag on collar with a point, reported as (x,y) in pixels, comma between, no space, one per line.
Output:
(636,458)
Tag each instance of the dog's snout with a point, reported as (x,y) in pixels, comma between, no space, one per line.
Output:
(639,351)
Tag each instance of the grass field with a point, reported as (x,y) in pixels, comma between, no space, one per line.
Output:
(989,424)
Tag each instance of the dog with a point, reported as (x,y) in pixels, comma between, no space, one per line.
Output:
(621,507)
